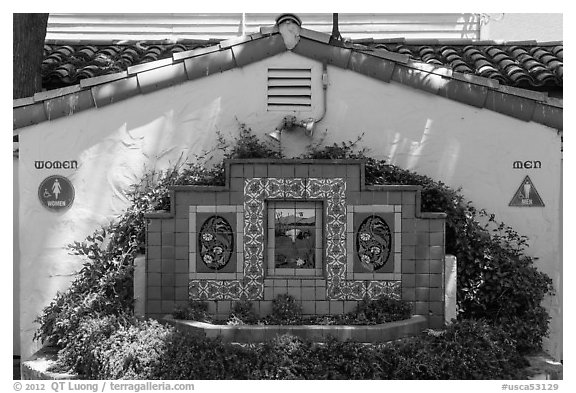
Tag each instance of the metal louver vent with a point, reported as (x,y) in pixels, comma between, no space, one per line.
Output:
(289,89)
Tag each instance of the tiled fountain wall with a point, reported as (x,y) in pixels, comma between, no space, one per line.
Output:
(217,243)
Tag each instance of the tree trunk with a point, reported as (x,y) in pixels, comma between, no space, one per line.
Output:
(29,35)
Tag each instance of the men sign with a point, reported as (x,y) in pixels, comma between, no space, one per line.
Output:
(526,196)
(56,192)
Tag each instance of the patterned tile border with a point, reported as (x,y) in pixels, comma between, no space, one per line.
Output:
(256,192)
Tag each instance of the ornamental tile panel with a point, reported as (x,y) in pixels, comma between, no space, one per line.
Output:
(218,290)
(317,188)
(254,290)
(373,243)
(335,229)
(233,290)
(355,290)
(214,290)
(390,288)
(336,270)
(257,191)
(334,291)
(253,208)
(254,188)
(195,290)
(336,249)
(216,242)
(294,188)
(274,189)
(254,269)
(254,248)
(337,189)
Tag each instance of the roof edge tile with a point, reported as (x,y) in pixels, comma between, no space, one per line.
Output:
(161,77)
(257,50)
(115,91)
(418,79)
(195,52)
(329,54)
(477,80)
(22,102)
(372,66)
(234,41)
(533,95)
(149,66)
(464,92)
(98,80)
(68,104)
(208,64)
(257,35)
(555,102)
(315,35)
(48,94)
(548,115)
(25,116)
(431,68)
(519,107)
(384,54)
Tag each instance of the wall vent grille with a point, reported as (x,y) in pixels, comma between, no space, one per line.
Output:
(289,89)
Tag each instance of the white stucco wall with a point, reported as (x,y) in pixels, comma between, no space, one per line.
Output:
(523,26)
(458,144)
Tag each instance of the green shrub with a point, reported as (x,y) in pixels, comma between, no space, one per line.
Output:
(242,312)
(285,357)
(194,311)
(103,287)
(116,349)
(190,357)
(465,350)
(80,355)
(133,351)
(382,310)
(285,311)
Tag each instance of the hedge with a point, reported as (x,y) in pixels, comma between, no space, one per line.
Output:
(109,349)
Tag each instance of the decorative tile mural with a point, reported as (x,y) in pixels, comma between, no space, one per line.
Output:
(215,242)
(307,228)
(330,191)
(373,243)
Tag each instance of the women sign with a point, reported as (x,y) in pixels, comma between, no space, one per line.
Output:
(56,192)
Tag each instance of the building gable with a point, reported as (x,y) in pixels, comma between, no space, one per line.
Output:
(377,63)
